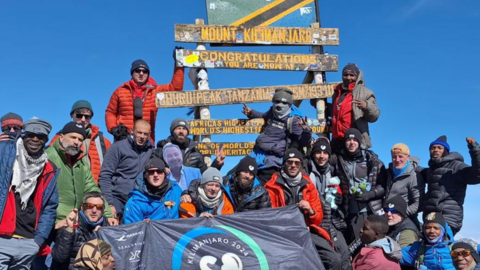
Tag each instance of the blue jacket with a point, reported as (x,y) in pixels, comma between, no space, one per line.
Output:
(123,161)
(142,204)
(189,173)
(49,205)
(436,257)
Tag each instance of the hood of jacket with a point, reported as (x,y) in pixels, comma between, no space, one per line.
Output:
(391,248)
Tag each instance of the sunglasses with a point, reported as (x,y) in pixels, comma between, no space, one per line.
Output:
(293,162)
(464,253)
(152,172)
(391,210)
(92,205)
(31,135)
(8,128)
(144,71)
(81,115)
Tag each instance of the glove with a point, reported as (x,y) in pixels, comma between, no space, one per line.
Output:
(175,52)
(338,199)
(120,132)
(365,196)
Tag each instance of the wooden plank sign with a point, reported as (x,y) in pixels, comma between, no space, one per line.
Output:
(229,148)
(242,126)
(258,61)
(240,95)
(255,35)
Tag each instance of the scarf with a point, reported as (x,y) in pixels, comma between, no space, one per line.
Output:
(285,110)
(398,172)
(206,201)
(158,192)
(89,256)
(26,170)
(91,225)
(140,91)
(292,181)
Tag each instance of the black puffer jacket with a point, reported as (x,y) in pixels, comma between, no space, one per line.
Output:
(191,156)
(67,244)
(256,198)
(447,180)
(376,176)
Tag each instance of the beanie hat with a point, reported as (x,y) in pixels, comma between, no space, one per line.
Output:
(138,64)
(72,127)
(400,148)
(353,133)
(211,175)
(442,140)
(37,126)
(436,217)
(292,153)
(81,104)
(321,145)
(397,203)
(179,122)
(11,119)
(155,162)
(247,164)
(104,247)
(283,94)
(469,245)
(352,68)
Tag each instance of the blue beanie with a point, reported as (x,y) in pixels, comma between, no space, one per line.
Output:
(442,140)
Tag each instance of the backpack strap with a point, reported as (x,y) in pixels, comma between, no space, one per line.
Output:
(420,255)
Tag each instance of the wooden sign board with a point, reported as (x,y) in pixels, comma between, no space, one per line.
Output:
(240,95)
(255,35)
(292,13)
(242,126)
(229,148)
(254,60)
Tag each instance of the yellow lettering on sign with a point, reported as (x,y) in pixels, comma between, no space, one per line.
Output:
(246,34)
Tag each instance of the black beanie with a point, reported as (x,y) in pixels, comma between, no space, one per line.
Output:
(138,64)
(397,203)
(72,127)
(321,145)
(436,217)
(292,153)
(179,122)
(155,162)
(352,68)
(247,164)
(353,133)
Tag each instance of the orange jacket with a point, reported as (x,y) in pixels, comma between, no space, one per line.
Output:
(188,210)
(310,194)
(120,107)
(93,152)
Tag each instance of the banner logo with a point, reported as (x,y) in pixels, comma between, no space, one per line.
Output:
(229,260)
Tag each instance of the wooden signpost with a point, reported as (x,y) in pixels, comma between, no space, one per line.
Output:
(254,60)
(240,95)
(241,126)
(256,35)
(229,148)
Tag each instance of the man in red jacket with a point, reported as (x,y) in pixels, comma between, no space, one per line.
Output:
(135,100)
(289,187)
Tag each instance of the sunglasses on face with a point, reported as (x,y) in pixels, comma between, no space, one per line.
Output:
(391,210)
(144,71)
(152,172)
(41,137)
(8,128)
(92,205)
(464,253)
(293,162)
(81,115)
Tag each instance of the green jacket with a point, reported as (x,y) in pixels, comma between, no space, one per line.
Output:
(72,182)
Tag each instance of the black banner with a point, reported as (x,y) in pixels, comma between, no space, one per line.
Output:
(264,240)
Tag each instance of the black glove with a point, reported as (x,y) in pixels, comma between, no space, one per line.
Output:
(338,199)
(120,132)
(365,196)
(175,52)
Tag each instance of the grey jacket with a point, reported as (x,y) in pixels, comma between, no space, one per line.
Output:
(410,185)
(361,118)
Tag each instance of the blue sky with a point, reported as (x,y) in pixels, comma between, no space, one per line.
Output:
(418,57)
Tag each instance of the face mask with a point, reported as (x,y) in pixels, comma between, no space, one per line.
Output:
(281,109)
